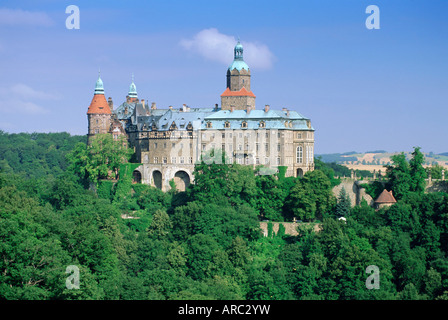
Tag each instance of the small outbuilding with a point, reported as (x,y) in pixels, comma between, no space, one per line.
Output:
(385,199)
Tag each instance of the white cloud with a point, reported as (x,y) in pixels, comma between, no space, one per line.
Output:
(21,99)
(26,92)
(17,17)
(216,46)
(21,107)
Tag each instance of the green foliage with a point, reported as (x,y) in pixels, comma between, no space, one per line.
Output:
(206,243)
(343,205)
(100,159)
(404,176)
(311,197)
(373,189)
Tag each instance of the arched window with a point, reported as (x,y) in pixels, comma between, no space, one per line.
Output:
(299,154)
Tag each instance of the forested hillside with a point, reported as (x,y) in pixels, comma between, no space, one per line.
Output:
(205,243)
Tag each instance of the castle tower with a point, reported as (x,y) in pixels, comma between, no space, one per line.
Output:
(98,114)
(132,94)
(238,94)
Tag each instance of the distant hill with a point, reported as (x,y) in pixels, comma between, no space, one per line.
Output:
(377,159)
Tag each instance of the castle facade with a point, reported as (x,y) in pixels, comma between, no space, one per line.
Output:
(168,142)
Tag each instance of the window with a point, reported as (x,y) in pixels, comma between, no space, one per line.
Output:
(266,160)
(155,145)
(266,147)
(181,160)
(278,147)
(299,154)
(165,160)
(97,131)
(279,135)
(299,135)
(174,145)
(190,159)
(257,160)
(203,147)
(240,147)
(209,124)
(257,147)
(156,159)
(164,145)
(173,160)
(244,124)
(227,125)
(278,161)
(223,135)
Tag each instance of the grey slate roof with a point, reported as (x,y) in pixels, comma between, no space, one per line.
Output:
(144,118)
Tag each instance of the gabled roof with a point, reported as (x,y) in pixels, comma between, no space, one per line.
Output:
(386,197)
(99,105)
(243,92)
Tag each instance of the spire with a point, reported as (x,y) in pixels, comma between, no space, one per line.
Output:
(132,89)
(99,103)
(99,88)
(238,62)
(238,51)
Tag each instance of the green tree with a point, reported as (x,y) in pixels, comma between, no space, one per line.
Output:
(311,197)
(399,175)
(100,159)
(418,173)
(343,204)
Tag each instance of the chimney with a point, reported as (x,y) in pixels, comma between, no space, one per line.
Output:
(248,108)
(171,107)
(110,103)
(143,102)
(232,108)
(216,106)
(184,108)
(153,106)
(266,108)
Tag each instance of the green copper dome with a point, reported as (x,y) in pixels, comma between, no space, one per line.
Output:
(132,89)
(238,62)
(99,88)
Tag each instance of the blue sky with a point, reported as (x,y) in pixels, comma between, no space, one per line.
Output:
(363,89)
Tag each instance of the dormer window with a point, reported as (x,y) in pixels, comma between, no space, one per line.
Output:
(227,124)
(209,124)
(262,124)
(244,124)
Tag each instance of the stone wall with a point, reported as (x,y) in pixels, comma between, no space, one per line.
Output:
(290,227)
(354,191)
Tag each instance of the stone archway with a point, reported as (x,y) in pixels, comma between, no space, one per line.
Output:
(137,175)
(182,180)
(157,179)
(299,173)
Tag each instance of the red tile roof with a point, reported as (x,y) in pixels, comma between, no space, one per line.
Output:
(99,105)
(242,92)
(386,197)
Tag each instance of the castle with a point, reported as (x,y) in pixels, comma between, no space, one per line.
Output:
(168,142)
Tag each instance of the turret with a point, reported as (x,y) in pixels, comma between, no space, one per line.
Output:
(98,113)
